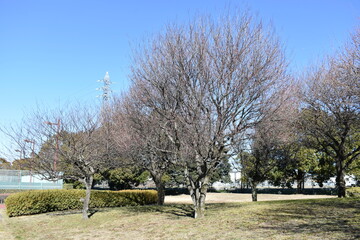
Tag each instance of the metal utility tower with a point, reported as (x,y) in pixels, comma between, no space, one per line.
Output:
(106,87)
(105,109)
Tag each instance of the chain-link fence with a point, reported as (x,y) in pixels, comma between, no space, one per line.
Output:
(24,179)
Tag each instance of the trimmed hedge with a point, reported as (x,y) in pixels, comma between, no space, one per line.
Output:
(353,192)
(42,201)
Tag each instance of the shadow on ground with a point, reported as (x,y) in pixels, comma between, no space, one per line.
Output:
(178,210)
(340,217)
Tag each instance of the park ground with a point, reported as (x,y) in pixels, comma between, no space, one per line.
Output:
(320,218)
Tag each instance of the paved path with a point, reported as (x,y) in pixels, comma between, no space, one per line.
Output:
(240,197)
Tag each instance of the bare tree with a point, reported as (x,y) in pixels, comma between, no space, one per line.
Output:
(259,156)
(140,139)
(208,83)
(331,115)
(257,162)
(76,150)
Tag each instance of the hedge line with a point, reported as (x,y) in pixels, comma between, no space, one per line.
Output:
(42,201)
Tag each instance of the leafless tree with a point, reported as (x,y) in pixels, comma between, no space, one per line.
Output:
(259,155)
(331,115)
(76,150)
(209,83)
(139,139)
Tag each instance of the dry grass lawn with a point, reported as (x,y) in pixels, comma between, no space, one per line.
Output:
(291,219)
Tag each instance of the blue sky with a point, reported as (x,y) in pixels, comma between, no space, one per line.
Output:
(53,52)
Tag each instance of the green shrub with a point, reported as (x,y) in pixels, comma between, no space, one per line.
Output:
(353,192)
(41,201)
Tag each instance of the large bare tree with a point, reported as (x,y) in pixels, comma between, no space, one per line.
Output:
(209,83)
(64,144)
(331,114)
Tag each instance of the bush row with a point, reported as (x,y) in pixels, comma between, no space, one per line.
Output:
(42,201)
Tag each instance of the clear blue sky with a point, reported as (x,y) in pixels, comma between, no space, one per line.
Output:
(52,52)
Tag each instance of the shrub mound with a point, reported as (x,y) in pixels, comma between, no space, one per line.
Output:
(42,201)
(353,192)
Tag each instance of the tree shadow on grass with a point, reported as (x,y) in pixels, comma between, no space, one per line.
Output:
(328,228)
(218,206)
(326,218)
(63,213)
(91,212)
(178,210)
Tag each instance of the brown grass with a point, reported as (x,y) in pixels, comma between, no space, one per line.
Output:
(292,219)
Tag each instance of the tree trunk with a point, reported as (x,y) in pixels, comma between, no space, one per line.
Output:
(160,187)
(298,186)
(340,179)
(254,192)
(198,191)
(198,196)
(303,184)
(86,201)
(300,179)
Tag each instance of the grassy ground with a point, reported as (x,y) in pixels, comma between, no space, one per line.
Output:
(295,219)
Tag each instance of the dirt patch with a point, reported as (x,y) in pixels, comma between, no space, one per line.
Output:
(240,197)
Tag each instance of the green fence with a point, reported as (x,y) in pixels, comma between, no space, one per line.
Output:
(24,179)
